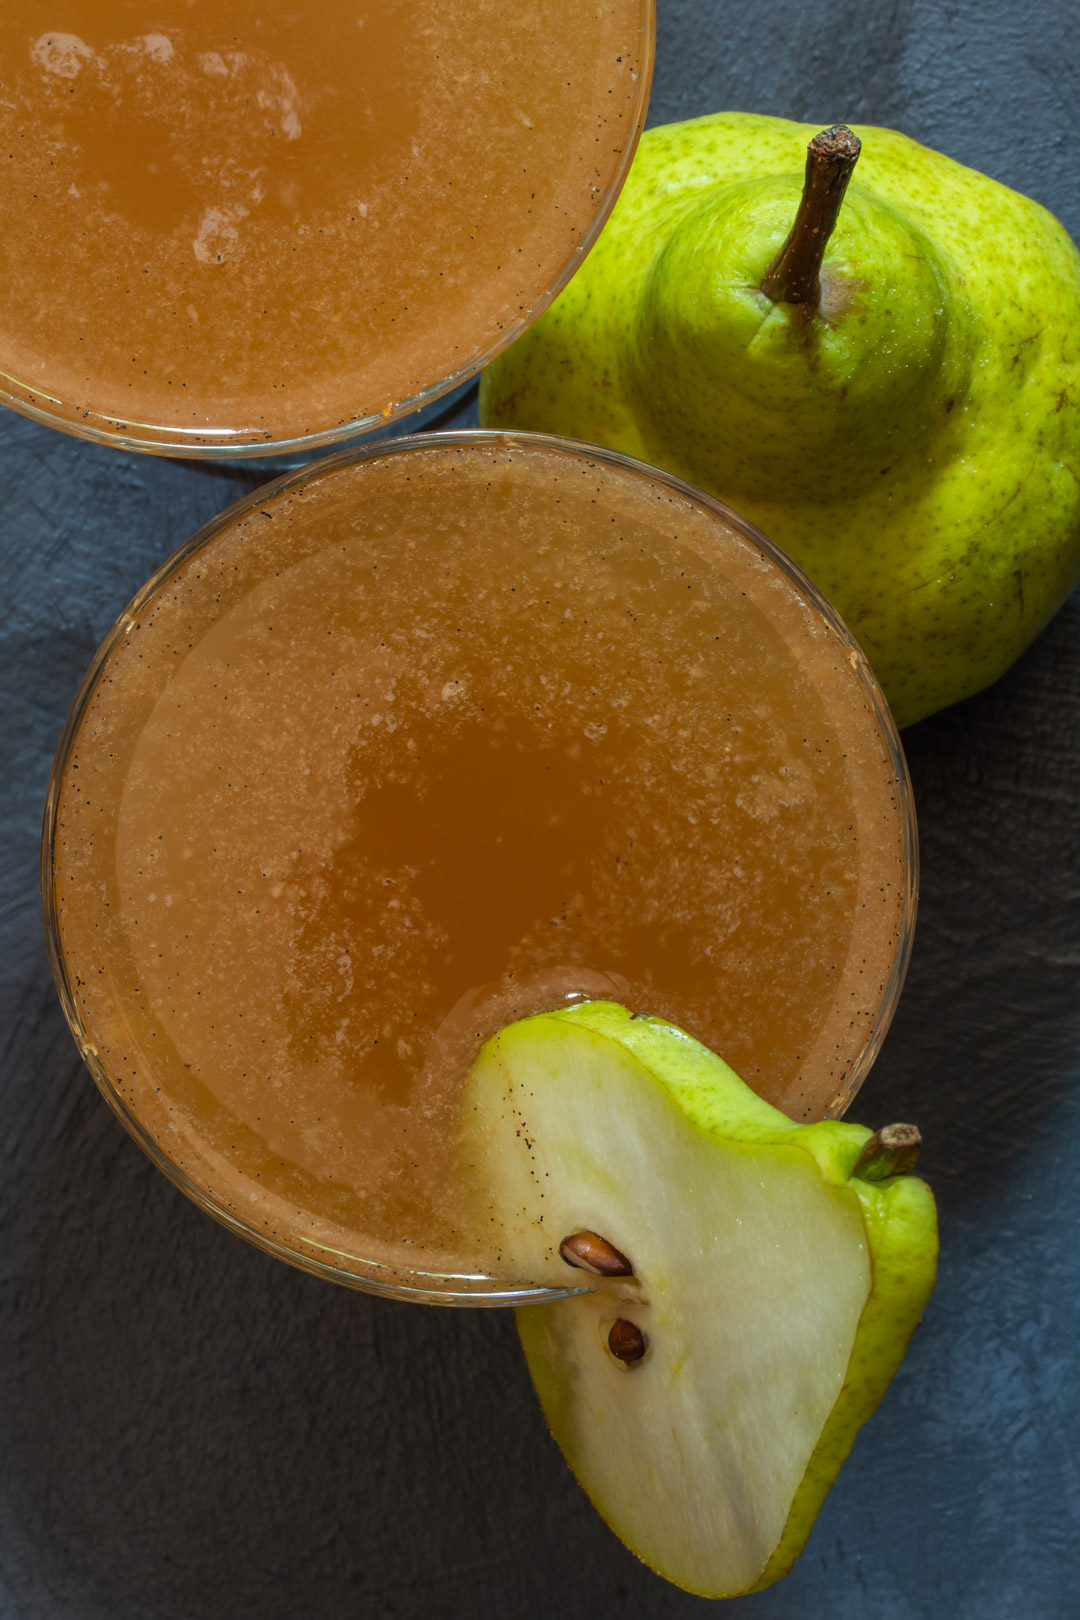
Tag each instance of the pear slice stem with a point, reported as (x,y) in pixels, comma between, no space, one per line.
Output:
(794,276)
(892,1151)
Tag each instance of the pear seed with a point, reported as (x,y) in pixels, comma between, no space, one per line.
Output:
(626,1342)
(594,1253)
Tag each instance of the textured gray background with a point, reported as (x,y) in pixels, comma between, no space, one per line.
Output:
(191,1431)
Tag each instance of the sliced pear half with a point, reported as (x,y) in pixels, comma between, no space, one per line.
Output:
(766,1280)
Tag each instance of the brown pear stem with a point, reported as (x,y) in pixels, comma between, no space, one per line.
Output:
(794,276)
(892,1151)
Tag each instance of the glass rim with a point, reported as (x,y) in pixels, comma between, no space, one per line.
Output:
(427,1286)
(212,444)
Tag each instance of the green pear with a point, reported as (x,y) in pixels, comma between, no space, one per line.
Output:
(907,427)
(752,1283)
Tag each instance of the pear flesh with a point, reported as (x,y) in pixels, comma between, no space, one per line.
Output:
(771,1299)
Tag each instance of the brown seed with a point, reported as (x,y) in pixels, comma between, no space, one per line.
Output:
(593,1253)
(626,1342)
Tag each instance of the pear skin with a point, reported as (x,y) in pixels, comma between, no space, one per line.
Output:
(913,442)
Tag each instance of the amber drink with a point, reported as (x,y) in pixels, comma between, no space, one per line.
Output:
(228,226)
(431,739)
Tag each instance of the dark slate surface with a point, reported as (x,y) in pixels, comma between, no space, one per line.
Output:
(191,1431)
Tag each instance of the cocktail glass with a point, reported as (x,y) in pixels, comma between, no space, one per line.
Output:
(230,235)
(428,736)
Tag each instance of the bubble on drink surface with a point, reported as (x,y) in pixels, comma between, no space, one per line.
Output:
(158,47)
(61,54)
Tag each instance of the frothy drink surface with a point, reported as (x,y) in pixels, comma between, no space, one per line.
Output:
(433,742)
(271,219)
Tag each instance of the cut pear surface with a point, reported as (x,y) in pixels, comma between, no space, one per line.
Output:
(706,1401)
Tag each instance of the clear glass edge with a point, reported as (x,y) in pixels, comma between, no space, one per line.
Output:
(454,1289)
(207,444)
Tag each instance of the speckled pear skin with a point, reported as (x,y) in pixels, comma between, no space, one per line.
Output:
(915,445)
